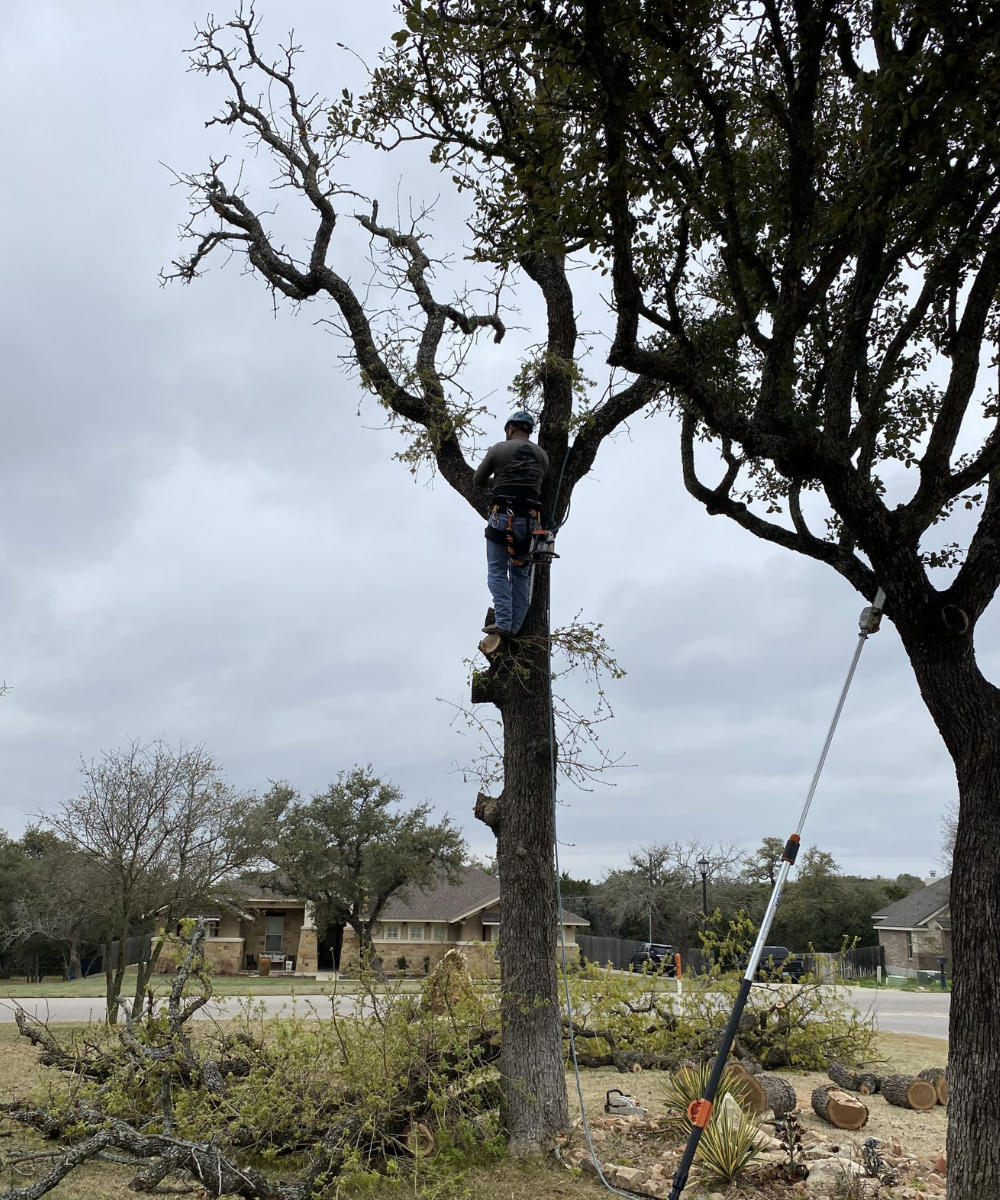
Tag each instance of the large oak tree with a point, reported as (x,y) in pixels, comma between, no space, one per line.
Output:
(795,205)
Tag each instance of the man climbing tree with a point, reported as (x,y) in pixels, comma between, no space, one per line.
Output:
(797,210)
(513,472)
(412,370)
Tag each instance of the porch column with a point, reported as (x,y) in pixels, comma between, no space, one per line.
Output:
(307,959)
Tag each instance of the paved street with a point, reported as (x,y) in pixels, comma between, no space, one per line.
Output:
(895,1012)
(79,1011)
(905,1012)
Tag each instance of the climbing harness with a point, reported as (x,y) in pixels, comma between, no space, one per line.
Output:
(699,1111)
(520,549)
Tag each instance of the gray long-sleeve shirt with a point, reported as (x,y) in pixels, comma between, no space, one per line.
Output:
(518,464)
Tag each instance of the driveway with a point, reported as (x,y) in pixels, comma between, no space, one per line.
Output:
(924,1013)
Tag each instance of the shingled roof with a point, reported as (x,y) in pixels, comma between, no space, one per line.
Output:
(916,909)
(450,902)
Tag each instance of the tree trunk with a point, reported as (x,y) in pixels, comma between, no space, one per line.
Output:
(535,1107)
(966,709)
(144,970)
(73,955)
(114,978)
(844,1077)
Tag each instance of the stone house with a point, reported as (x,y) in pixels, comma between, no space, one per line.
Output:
(917,929)
(419,926)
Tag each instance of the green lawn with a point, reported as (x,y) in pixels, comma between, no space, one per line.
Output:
(222,985)
(910,985)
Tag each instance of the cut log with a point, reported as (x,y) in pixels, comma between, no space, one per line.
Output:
(938,1076)
(839,1108)
(781,1098)
(868,1084)
(746,1089)
(490,644)
(907,1091)
(844,1077)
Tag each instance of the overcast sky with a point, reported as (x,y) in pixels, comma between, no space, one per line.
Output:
(201,540)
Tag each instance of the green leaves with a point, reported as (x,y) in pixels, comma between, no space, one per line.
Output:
(349,849)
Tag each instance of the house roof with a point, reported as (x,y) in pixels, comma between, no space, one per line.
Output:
(451,902)
(915,909)
(476,890)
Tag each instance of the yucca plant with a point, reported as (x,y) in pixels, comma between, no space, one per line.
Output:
(689,1084)
(729,1142)
(728,1145)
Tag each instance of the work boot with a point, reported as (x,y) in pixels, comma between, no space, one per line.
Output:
(497,629)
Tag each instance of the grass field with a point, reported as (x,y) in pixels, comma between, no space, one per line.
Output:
(20,1072)
(222,985)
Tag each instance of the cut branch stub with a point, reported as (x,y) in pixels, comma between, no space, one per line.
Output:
(839,1108)
(907,1091)
(938,1076)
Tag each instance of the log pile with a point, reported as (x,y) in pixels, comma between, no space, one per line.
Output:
(838,1107)
(907,1091)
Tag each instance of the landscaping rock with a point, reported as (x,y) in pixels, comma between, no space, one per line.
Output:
(630,1177)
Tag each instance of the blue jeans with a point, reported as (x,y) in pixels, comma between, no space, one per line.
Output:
(508,584)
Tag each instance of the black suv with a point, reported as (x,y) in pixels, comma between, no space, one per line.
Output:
(779,962)
(659,957)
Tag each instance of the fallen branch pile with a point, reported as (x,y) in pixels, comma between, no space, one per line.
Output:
(351,1093)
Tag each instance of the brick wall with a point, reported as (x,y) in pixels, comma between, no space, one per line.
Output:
(927,945)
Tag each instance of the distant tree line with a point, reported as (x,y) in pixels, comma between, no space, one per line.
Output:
(658,896)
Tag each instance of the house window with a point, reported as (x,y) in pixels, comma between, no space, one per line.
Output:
(390,932)
(909,945)
(212,928)
(416,933)
(273,931)
(439,932)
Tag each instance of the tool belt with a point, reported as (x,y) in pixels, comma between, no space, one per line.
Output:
(527,507)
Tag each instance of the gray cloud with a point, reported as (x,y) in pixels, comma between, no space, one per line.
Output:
(201,540)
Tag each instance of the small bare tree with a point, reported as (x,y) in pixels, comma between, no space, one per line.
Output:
(162,831)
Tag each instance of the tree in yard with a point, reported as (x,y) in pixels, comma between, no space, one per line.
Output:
(159,830)
(349,853)
(796,210)
(408,352)
(762,866)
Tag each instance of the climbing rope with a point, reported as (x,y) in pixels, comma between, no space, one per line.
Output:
(700,1110)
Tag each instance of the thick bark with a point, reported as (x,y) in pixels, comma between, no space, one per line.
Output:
(531,1065)
(907,1091)
(966,710)
(781,1098)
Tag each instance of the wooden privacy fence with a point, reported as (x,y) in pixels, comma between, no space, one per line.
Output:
(864,962)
